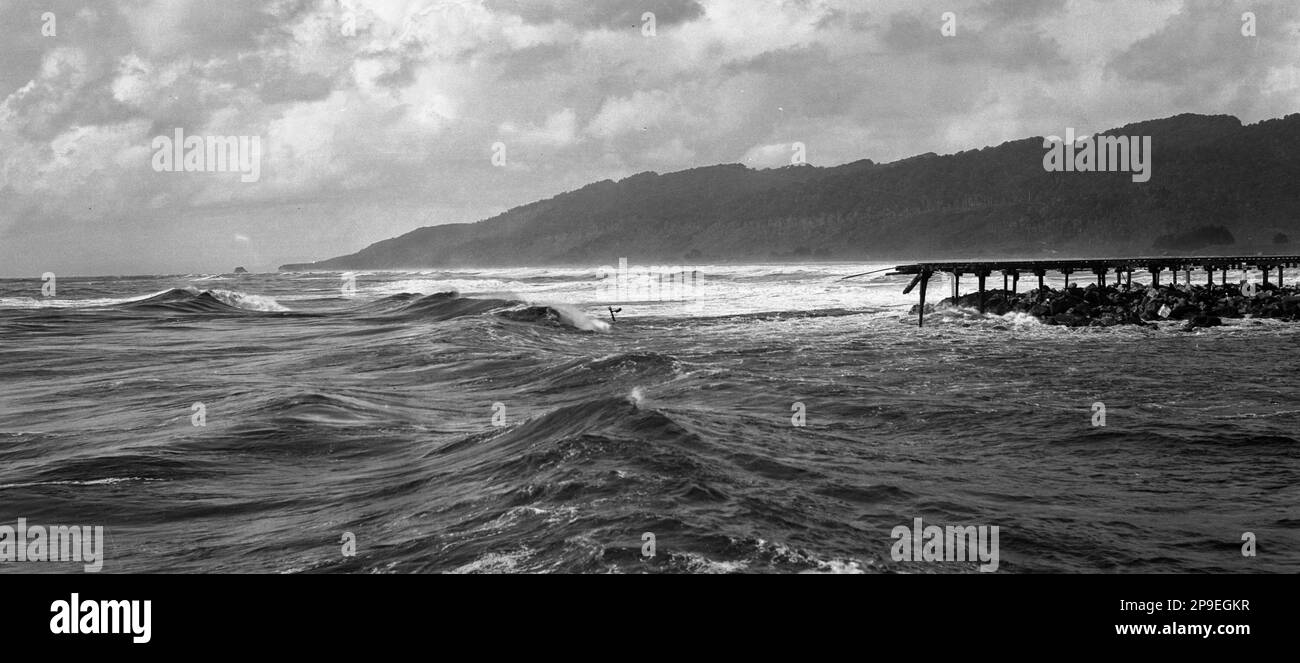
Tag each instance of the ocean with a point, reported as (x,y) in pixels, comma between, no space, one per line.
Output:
(760,418)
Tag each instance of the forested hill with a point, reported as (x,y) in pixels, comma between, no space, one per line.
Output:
(1216,187)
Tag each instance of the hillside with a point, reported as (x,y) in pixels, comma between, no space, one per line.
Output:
(1216,187)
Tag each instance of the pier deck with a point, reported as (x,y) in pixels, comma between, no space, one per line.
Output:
(1099,267)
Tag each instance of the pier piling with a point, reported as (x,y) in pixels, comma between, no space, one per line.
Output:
(1122,267)
(925,278)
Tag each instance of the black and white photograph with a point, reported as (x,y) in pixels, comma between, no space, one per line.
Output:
(903,288)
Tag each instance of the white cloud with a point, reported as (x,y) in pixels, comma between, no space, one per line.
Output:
(368,135)
(560,129)
(638,112)
(672,155)
(774,155)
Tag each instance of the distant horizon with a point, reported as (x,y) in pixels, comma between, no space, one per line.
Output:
(870,262)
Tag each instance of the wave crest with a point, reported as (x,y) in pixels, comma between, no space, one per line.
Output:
(193,300)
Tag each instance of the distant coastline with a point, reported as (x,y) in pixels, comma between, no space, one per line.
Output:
(995,201)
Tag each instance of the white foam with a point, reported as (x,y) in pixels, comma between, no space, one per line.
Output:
(570,315)
(836,567)
(53,302)
(246,301)
(1022,319)
(697,563)
(495,563)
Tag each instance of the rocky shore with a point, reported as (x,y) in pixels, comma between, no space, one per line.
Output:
(1096,306)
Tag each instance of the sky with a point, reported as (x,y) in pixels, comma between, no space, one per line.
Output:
(376,117)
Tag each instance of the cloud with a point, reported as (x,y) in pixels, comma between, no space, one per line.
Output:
(638,112)
(378,116)
(774,155)
(674,154)
(614,14)
(560,129)
(998,45)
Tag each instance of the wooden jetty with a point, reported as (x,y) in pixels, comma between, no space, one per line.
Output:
(1122,268)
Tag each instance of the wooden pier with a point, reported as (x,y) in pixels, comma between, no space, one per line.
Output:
(1122,268)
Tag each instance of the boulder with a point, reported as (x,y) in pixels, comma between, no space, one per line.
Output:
(1202,320)
(1200,306)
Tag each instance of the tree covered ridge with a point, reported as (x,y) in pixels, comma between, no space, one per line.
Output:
(1216,186)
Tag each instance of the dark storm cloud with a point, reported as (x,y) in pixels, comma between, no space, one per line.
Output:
(1019,10)
(1005,46)
(23,44)
(608,13)
(813,82)
(201,29)
(1203,44)
(283,85)
(539,60)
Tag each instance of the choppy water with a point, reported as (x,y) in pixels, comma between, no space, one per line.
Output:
(374,414)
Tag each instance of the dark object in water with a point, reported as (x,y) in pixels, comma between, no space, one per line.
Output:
(612,311)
